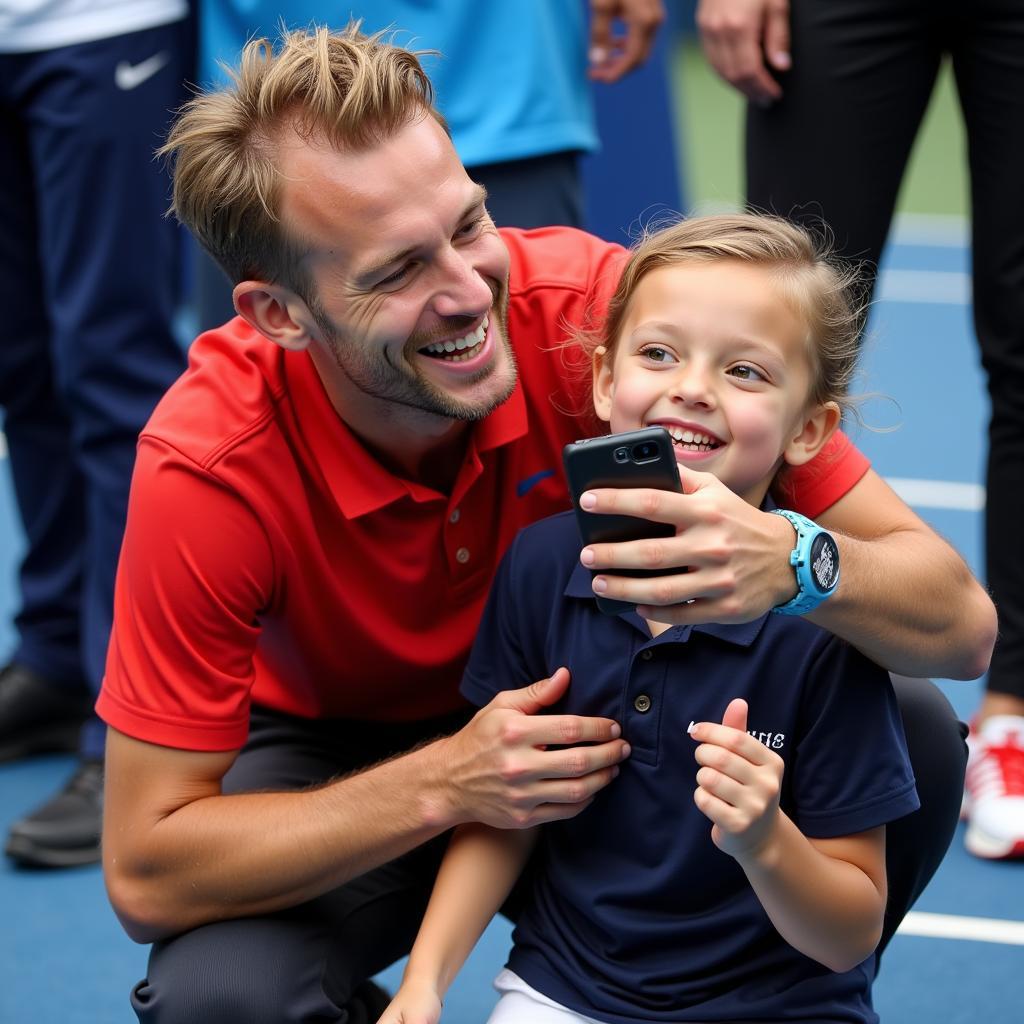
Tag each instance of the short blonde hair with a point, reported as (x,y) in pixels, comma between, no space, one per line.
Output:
(352,90)
(824,292)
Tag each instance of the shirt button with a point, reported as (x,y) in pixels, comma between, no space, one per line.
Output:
(462,556)
(455,516)
(642,703)
(647,655)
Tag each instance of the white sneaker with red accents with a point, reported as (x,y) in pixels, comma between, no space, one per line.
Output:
(994,790)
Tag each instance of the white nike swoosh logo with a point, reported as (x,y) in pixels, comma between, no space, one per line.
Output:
(130,76)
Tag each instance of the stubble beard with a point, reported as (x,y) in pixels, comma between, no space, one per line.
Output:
(382,381)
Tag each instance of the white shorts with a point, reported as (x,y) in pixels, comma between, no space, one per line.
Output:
(521,1004)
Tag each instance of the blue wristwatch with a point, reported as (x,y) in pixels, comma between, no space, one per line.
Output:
(815,559)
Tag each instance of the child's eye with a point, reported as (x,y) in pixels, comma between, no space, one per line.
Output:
(656,354)
(746,372)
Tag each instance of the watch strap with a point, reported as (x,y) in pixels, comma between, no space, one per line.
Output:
(815,561)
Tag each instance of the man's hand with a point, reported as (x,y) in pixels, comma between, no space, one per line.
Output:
(743,39)
(738,556)
(414,1003)
(613,56)
(499,771)
(738,783)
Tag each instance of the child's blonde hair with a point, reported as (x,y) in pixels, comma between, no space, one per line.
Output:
(821,290)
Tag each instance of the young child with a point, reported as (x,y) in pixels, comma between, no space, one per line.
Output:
(759,894)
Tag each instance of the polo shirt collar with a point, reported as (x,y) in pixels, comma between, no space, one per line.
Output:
(740,634)
(358,483)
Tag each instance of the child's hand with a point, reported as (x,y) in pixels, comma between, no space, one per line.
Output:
(414,1003)
(738,784)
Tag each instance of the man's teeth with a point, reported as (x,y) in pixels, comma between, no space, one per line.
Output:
(701,442)
(471,340)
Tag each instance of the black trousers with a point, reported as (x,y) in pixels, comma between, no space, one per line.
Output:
(308,963)
(89,282)
(834,149)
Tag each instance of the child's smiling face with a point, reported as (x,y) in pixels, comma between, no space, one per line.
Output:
(712,352)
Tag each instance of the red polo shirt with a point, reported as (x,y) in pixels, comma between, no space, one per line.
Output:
(269,558)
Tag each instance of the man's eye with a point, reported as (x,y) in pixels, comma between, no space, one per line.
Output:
(470,229)
(397,277)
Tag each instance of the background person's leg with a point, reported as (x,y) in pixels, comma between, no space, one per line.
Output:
(834,149)
(43,696)
(987,42)
(112,277)
(109,264)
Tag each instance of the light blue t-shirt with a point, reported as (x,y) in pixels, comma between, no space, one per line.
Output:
(511,78)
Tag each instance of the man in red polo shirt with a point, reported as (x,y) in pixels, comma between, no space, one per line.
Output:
(318,508)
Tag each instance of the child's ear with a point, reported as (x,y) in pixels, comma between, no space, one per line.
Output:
(818,426)
(604,387)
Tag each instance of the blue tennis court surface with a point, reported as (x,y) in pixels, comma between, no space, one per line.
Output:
(63,957)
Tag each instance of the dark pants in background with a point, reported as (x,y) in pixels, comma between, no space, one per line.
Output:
(88,284)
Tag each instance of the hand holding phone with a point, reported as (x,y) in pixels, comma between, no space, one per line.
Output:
(635,458)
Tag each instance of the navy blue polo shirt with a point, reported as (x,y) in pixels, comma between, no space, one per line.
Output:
(636,916)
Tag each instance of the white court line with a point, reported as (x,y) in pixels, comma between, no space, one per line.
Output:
(945,494)
(934,287)
(944,230)
(939,287)
(975,929)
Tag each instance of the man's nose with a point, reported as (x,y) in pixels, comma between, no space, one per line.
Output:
(461,289)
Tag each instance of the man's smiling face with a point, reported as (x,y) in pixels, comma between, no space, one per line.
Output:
(409,274)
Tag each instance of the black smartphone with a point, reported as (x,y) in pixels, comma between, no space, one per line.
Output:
(635,458)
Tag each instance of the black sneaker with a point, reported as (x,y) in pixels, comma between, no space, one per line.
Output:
(65,831)
(37,717)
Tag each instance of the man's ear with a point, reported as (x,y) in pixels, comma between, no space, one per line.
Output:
(604,387)
(276,312)
(818,425)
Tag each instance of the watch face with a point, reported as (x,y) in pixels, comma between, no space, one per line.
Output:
(824,562)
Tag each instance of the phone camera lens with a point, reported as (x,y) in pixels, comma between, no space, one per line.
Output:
(621,455)
(645,451)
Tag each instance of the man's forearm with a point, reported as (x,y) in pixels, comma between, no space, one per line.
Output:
(177,853)
(905,598)
(907,601)
(218,857)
